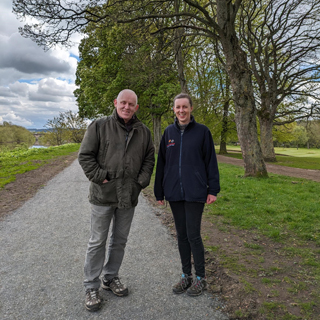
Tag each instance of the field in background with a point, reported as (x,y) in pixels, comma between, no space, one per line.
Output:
(291,157)
(21,160)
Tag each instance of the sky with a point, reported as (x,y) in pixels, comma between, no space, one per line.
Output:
(35,85)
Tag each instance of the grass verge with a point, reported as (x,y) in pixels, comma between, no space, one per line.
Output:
(22,159)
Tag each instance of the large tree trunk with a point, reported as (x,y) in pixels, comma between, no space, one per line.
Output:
(267,140)
(241,82)
(156,131)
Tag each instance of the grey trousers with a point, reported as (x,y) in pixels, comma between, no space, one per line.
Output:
(95,264)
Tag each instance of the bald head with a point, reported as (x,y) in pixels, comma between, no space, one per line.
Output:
(126,104)
(127,91)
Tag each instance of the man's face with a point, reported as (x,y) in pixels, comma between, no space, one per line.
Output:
(126,105)
(183,110)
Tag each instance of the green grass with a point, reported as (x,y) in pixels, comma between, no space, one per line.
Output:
(21,160)
(287,214)
(291,157)
(273,206)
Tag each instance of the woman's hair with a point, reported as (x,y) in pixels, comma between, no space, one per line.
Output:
(181,96)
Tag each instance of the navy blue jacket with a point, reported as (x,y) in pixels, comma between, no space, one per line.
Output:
(187,168)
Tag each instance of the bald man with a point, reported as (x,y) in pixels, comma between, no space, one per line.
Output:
(117,156)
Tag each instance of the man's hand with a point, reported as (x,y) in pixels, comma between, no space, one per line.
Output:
(161,202)
(105,181)
(211,198)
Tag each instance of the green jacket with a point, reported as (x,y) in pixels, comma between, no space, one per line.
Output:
(125,159)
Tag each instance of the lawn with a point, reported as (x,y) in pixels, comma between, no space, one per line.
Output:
(291,157)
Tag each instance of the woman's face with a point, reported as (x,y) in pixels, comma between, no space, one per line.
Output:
(183,110)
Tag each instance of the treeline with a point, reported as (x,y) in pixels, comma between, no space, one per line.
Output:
(12,135)
(298,134)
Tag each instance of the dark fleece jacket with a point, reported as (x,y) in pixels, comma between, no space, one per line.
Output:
(187,168)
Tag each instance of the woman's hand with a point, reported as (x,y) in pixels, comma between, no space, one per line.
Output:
(211,198)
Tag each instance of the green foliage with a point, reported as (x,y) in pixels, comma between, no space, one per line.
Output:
(209,85)
(22,159)
(119,57)
(13,135)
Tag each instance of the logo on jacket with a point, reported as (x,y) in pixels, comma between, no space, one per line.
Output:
(171,143)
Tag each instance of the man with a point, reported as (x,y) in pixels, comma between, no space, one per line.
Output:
(117,156)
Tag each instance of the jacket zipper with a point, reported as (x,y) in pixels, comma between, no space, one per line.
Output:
(180,161)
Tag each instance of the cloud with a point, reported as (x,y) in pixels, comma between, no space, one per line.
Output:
(35,85)
(25,56)
(17,120)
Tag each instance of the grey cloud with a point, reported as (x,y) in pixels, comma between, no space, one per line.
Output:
(25,56)
(20,89)
(51,87)
(36,96)
(6,92)
(7,102)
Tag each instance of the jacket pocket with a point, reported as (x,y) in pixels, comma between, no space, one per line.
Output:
(136,188)
(107,192)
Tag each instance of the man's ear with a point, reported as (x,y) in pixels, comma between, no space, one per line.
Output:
(115,102)
(137,107)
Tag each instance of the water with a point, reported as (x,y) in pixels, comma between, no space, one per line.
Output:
(37,146)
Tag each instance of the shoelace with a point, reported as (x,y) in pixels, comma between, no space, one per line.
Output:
(198,283)
(93,294)
(117,281)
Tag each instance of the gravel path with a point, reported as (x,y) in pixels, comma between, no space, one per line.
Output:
(42,253)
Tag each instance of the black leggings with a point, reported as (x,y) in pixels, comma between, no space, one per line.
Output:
(187,218)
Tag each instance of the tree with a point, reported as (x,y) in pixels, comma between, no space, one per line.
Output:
(12,135)
(67,127)
(313,132)
(210,85)
(213,19)
(300,135)
(281,38)
(114,58)
(75,125)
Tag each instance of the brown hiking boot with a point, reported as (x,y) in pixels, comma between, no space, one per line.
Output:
(184,283)
(198,285)
(93,300)
(115,286)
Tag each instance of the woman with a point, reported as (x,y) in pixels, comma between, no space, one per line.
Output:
(187,176)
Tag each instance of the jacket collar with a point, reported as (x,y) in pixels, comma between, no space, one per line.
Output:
(189,125)
(129,125)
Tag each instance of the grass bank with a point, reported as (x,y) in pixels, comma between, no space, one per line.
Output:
(21,160)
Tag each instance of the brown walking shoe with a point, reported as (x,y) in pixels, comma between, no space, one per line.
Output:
(93,300)
(198,285)
(184,283)
(115,286)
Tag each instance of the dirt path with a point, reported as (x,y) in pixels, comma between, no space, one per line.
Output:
(273,168)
